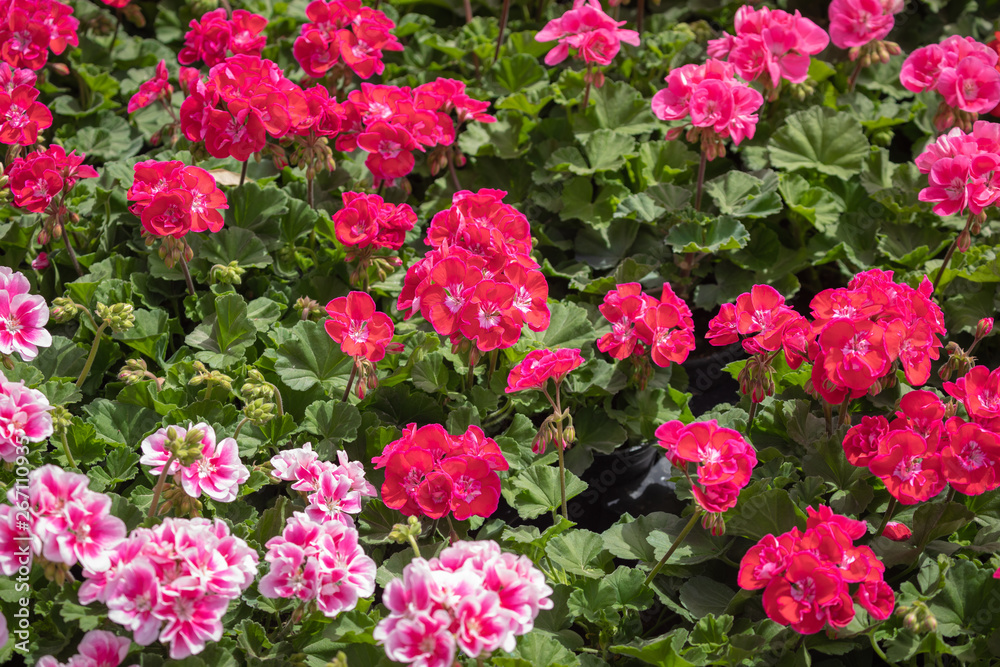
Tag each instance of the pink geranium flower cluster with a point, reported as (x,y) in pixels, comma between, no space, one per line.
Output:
(29,29)
(431,473)
(45,176)
(367,222)
(24,417)
(855,23)
(724,462)
(770,45)
(390,122)
(67,523)
(344,31)
(361,331)
(173,582)
(22,116)
(334,491)
(318,560)
(963,71)
(921,451)
(22,317)
(478,283)
(856,339)
(216,35)
(244,100)
(472,598)
(172,199)
(540,366)
(808,577)
(595,37)
(156,89)
(715,103)
(962,170)
(640,323)
(217,473)
(98,648)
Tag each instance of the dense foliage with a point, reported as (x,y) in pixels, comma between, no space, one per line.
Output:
(516,333)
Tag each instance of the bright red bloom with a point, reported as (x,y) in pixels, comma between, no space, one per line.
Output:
(389,149)
(979,392)
(531,295)
(238,132)
(971,458)
(445,292)
(37,178)
(539,366)
(897,532)
(855,355)
(877,598)
(623,306)
(168,183)
(722,328)
(799,596)
(215,34)
(157,88)
(489,317)
(911,472)
(475,488)
(360,330)
(367,220)
(169,214)
(861,441)
(21,117)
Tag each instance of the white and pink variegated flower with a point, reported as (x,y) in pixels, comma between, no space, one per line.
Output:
(89,534)
(135,594)
(333,490)
(356,471)
(98,648)
(15,540)
(318,561)
(334,499)
(286,464)
(218,473)
(24,417)
(22,316)
(191,619)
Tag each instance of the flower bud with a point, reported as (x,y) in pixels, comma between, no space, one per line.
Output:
(118,316)
(259,412)
(256,387)
(308,309)
(964,241)
(569,436)
(61,419)
(41,262)
(133,371)
(63,309)
(984,327)
(227,274)
(714,523)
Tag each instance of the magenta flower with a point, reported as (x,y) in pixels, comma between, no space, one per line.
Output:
(90,533)
(98,648)
(22,317)
(334,499)
(136,594)
(24,418)
(594,35)
(857,22)
(192,619)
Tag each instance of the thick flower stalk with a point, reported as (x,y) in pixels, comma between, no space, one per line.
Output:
(473,598)
(431,473)
(534,372)
(118,317)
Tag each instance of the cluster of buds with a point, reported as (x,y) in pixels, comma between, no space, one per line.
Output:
(756,378)
(313,153)
(714,522)
(135,371)
(309,309)
(340,660)
(5,194)
(62,419)
(366,258)
(227,274)
(959,360)
(800,91)
(918,618)
(258,411)
(367,377)
(57,572)
(177,498)
(185,450)
(52,229)
(712,145)
(439,157)
(172,250)
(550,429)
(64,309)
(210,379)
(948,116)
(119,316)
(407,533)
(875,52)
(256,387)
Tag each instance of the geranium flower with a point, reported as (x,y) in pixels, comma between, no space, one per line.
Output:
(23,317)
(360,330)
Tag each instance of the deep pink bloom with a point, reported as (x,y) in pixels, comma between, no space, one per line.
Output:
(24,417)
(858,22)
(360,330)
(535,370)
(594,35)
(157,88)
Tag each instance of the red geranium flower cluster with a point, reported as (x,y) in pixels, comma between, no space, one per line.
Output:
(857,335)
(639,321)
(962,70)
(389,122)
(21,115)
(244,100)
(962,170)
(478,282)
(808,576)
(41,176)
(29,29)
(719,105)
(344,30)
(366,221)
(770,45)
(540,366)
(724,459)
(172,199)
(156,89)
(216,35)
(360,330)
(431,473)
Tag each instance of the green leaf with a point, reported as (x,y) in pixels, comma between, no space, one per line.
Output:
(120,422)
(310,358)
(578,552)
(536,490)
(224,335)
(229,244)
(518,73)
(430,374)
(616,106)
(816,204)
(703,596)
(121,465)
(657,200)
(569,327)
(711,236)
(539,648)
(332,420)
(663,651)
(256,209)
(604,150)
(626,539)
(741,195)
(149,334)
(63,359)
(771,512)
(819,138)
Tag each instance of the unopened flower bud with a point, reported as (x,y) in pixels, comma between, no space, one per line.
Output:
(118,316)
(63,309)
(227,274)
(402,532)
(714,523)
(308,309)
(569,436)
(256,387)
(133,371)
(984,327)
(61,419)
(259,412)
(964,241)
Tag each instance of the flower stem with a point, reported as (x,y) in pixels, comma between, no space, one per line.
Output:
(753,413)
(289,623)
(701,180)
(310,197)
(453,534)
(159,485)
(844,412)
(277,400)
(452,172)
(243,172)
(239,427)
(93,353)
(493,365)
(187,276)
(71,252)
(586,91)
(640,18)
(673,547)
(413,543)
(888,516)
(951,251)
(65,444)
(350,383)
(503,25)
(560,449)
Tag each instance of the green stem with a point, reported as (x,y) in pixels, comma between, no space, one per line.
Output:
(350,383)
(888,516)
(753,413)
(243,172)
(239,427)
(208,391)
(93,353)
(560,447)
(65,444)
(586,89)
(876,648)
(70,252)
(159,485)
(503,25)
(413,543)
(277,400)
(289,623)
(951,251)
(673,547)
(493,365)
(187,276)
(310,196)
(844,411)
(701,180)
